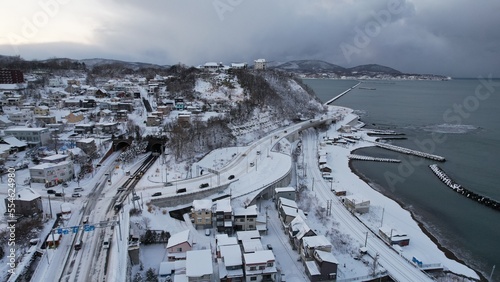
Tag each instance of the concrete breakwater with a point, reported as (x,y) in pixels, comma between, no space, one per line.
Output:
(409,151)
(368,158)
(462,190)
(341,94)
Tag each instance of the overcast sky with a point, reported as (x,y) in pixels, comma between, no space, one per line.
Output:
(449,37)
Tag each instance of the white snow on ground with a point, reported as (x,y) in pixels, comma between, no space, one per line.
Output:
(219,88)
(267,167)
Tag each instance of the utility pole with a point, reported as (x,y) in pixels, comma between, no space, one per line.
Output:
(313,184)
(50,207)
(382,220)
(366,238)
(491,275)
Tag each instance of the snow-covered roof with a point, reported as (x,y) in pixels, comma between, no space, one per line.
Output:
(259,257)
(224,205)
(247,235)
(5,119)
(179,238)
(316,241)
(284,189)
(252,245)
(27,194)
(293,211)
(14,142)
(355,198)
(298,224)
(231,255)
(54,157)
(260,61)
(205,204)
(225,240)
(86,140)
(251,210)
(288,202)
(326,256)
(312,267)
(65,207)
(28,129)
(198,263)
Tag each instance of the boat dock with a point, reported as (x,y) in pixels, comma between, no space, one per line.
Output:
(462,190)
(409,151)
(341,94)
(368,158)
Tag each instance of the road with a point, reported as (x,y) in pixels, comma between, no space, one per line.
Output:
(398,267)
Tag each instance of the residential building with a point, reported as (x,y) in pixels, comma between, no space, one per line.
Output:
(298,229)
(52,174)
(245,218)
(15,145)
(32,135)
(224,216)
(41,111)
(87,145)
(323,267)
(54,159)
(239,66)
(21,117)
(251,245)
(5,122)
(285,192)
(230,263)
(224,240)
(107,128)
(44,120)
(27,202)
(354,203)
(201,213)
(260,64)
(74,118)
(247,235)
(11,76)
(199,266)
(314,243)
(178,244)
(84,128)
(393,236)
(260,266)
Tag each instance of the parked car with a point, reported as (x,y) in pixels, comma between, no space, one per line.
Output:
(181,190)
(204,185)
(207,232)
(59,194)
(78,189)
(156,194)
(64,184)
(269,247)
(230,177)
(86,219)
(76,195)
(50,191)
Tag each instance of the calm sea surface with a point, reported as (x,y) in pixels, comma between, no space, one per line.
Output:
(449,119)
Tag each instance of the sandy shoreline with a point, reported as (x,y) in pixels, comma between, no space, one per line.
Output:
(449,254)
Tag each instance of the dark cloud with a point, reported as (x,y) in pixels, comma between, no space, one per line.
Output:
(450,37)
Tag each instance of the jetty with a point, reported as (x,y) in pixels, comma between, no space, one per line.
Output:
(341,94)
(462,190)
(368,158)
(409,151)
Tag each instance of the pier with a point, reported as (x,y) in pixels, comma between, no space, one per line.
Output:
(409,151)
(368,158)
(341,94)
(462,190)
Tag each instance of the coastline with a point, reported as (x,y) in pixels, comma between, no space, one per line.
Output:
(448,253)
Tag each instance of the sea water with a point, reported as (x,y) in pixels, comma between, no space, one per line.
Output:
(457,119)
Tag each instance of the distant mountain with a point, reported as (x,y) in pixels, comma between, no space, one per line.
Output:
(318,69)
(304,66)
(373,68)
(90,63)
